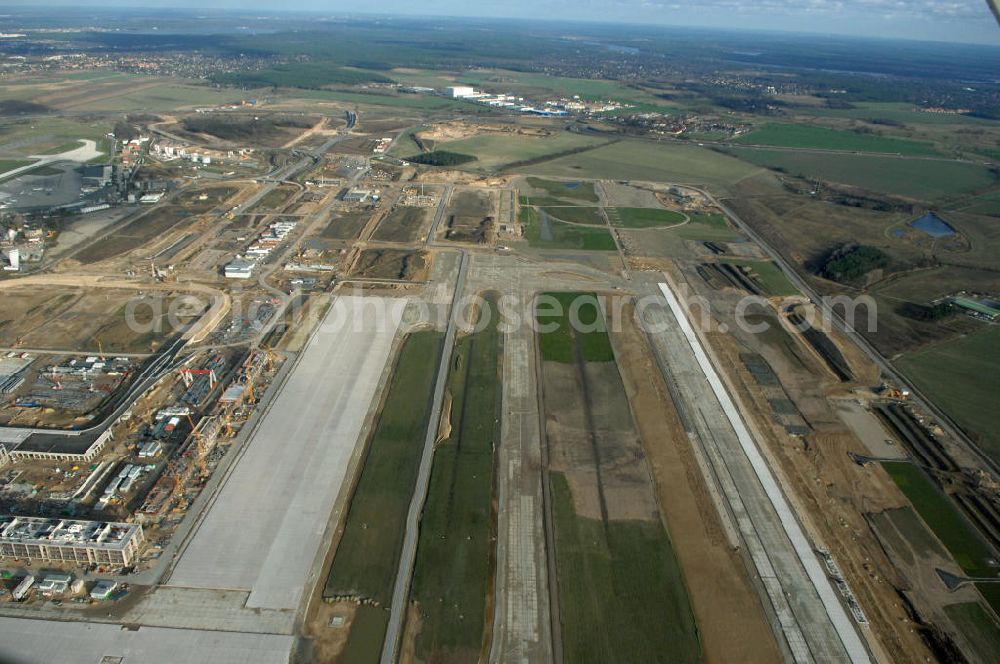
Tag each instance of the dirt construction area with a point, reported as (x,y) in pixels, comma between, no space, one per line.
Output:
(392,264)
(471,216)
(455,131)
(76,319)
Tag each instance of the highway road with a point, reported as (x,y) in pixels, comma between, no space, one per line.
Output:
(407,558)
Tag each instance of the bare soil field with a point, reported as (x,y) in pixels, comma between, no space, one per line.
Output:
(458,130)
(399,264)
(404,224)
(76,319)
(345,226)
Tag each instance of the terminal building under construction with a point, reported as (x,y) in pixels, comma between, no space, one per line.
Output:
(82,542)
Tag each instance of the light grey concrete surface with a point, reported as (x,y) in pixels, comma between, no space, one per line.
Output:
(869,430)
(28,641)
(262,532)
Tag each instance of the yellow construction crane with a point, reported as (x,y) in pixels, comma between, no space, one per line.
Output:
(199,456)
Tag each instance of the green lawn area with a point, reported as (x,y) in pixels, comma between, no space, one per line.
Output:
(978,626)
(943,518)
(367,557)
(452,576)
(364,642)
(493,151)
(915,178)
(574,190)
(589,216)
(705,226)
(405,145)
(810,136)
(558,235)
(171,96)
(622,596)
(11,164)
(961,376)
(572,315)
(646,161)
(769,276)
(48,135)
(988,204)
(644,217)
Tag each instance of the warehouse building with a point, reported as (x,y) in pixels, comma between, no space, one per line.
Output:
(239,269)
(82,542)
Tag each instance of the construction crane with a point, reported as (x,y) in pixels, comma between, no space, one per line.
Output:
(188,380)
(100,348)
(200,451)
(178,489)
(272,356)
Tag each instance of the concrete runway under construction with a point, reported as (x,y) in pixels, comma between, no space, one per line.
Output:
(266,524)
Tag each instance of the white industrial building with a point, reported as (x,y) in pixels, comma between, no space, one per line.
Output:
(240,268)
(84,542)
(460,91)
(13,260)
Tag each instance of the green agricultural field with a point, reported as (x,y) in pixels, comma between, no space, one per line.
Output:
(557,235)
(621,590)
(494,151)
(645,217)
(588,216)
(943,518)
(769,276)
(367,557)
(894,112)
(572,316)
(646,161)
(961,375)
(921,179)
(575,190)
(810,136)
(453,571)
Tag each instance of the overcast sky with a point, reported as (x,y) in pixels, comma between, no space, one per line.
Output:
(942,20)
